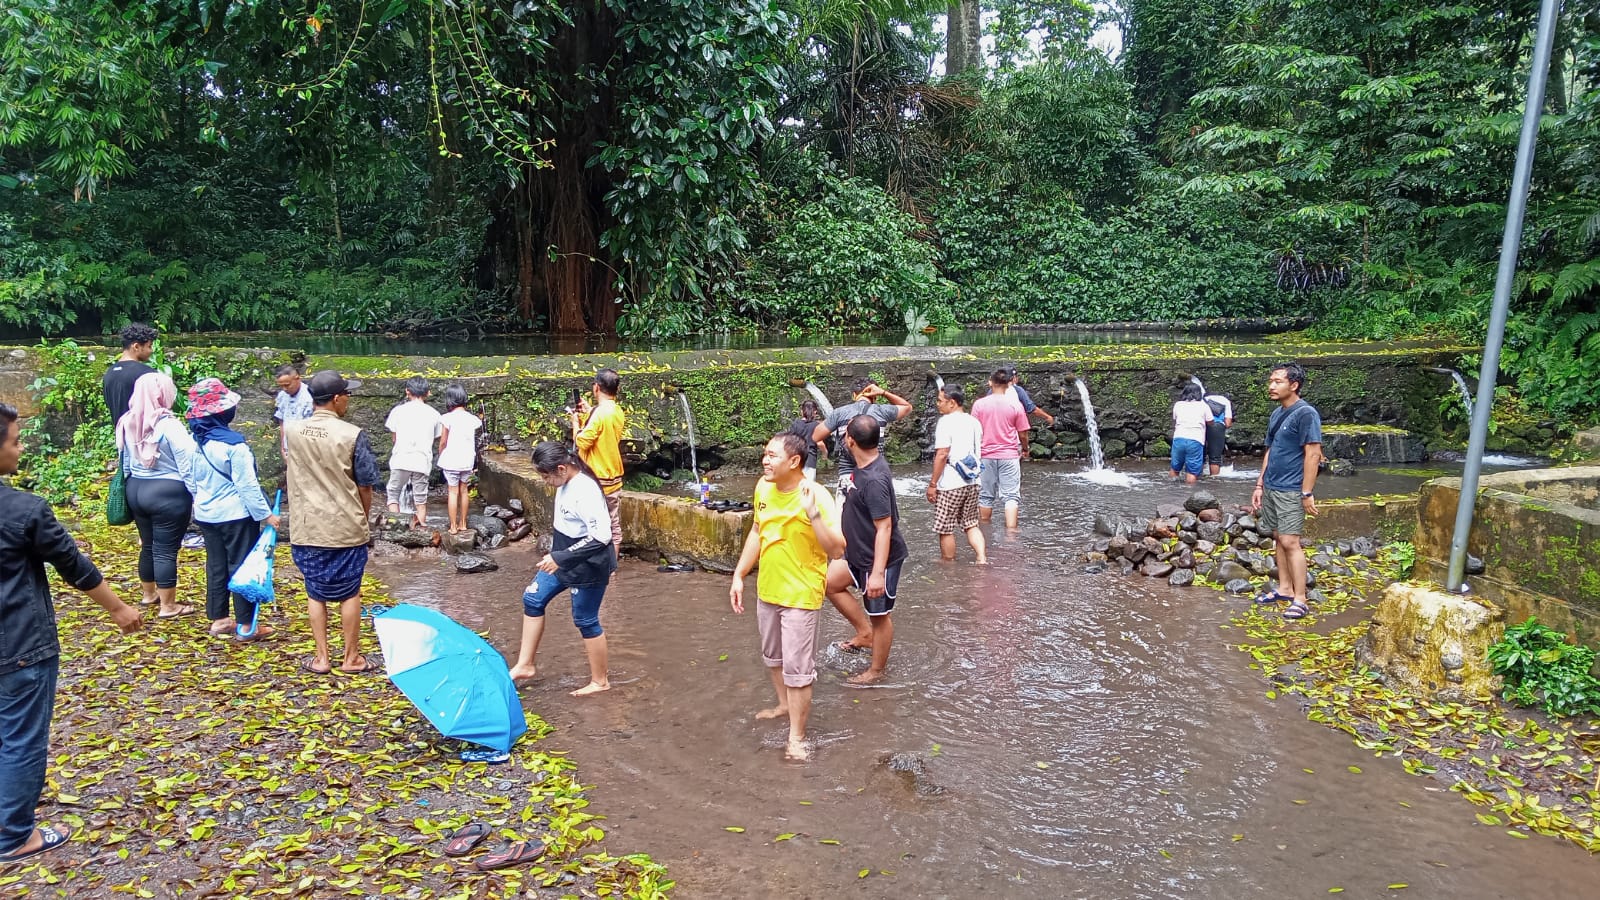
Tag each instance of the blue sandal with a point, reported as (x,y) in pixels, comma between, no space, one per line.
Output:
(1273,597)
(1297,610)
(51,839)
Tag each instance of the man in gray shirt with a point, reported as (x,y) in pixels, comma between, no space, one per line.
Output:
(863,402)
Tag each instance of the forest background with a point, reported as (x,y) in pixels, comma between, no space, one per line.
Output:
(663,168)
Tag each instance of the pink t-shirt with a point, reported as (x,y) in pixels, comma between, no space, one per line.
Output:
(1002,419)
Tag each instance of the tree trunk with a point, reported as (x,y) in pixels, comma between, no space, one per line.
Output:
(963,29)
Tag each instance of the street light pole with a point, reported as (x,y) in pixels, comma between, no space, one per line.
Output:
(1510,243)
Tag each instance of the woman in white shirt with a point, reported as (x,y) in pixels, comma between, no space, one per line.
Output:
(158,454)
(580,560)
(458,446)
(1189,417)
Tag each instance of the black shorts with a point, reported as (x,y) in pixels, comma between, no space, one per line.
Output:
(1216,441)
(878,606)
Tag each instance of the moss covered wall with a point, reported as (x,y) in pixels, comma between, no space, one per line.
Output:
(740,398)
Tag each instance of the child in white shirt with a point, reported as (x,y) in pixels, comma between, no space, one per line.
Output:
(414,425)
(458,433)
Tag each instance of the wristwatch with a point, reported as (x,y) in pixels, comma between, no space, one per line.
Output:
(1305,495)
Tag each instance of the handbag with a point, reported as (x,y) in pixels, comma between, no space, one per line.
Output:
(967,467)
(117,512)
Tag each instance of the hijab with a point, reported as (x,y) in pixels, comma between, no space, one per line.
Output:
(215,428)
(153,396)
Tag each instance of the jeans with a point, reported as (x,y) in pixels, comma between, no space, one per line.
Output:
(161,510)
(27,701)
(227,544)
(585,601)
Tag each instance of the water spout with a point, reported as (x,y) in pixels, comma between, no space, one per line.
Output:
(688,420)
(1097,456)
(821,398)
(1461,386)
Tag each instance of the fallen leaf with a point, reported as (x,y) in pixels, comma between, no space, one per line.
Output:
(733,828)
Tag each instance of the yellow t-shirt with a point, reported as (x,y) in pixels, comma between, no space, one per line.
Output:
(793,569)
(599,444)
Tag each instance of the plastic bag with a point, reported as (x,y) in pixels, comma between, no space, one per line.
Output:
(253,579)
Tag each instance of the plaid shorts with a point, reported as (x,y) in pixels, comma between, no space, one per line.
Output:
(956,508)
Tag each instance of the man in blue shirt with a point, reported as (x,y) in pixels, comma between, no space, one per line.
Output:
(1283,493)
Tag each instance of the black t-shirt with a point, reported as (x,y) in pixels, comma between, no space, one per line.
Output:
(117,385)
(805,428)
(870,497)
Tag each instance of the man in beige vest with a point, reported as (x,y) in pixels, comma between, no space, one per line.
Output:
(332,473)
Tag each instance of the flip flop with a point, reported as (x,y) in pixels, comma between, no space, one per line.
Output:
(306,666)
(1272,597)
(183,610)
(1297,610)
(512,855)
(848,647)
(366,666)
(52,838)
(465,838)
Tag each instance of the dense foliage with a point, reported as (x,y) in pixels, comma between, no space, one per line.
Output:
(658,169)
(1541,669)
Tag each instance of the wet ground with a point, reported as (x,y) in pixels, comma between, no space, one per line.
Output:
(1070,736)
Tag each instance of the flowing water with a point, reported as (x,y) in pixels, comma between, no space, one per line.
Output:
(823,403)
(1466,393)
(1097,456)
(1067,735)
(688,424)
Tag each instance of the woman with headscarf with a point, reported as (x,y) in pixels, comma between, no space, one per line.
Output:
(157,453)
(229,505)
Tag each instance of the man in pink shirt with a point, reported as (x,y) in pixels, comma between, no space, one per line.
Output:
(1005,439)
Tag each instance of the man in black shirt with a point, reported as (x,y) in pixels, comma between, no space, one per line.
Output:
(30,536)
(873,549)
(138,342)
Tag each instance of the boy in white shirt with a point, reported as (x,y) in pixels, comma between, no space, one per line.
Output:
(958,446)
(458,445)
(414,425)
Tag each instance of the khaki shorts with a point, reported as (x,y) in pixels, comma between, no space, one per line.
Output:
(789,641)
(956,508)
(614,505)
(1282,513)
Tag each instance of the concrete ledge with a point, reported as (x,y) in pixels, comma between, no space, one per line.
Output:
(653,525)
(1385,517)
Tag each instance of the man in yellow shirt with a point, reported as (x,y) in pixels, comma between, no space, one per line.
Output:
(796,532)
(599,440)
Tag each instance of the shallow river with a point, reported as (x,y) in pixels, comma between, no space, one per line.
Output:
(1083,736)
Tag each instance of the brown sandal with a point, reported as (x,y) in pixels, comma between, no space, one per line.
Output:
(512,855)
(465,838)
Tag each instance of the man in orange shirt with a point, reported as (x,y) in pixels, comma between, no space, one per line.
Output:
(599,440)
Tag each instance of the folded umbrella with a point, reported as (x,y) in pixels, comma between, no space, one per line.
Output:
(459,682)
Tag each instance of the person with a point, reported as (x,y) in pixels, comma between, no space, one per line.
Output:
(1189,417)
(863,401)
(157,453)
(1021,393)
(953,489)
(138,343)
(458,447)
(30,650)
(874,549)
(1005,442)
(794,534)
(599,442)
(1217,425)
(581,560)
(332,470)
(293,402)
(1284,492)
(229,505)
(805,426)
(415,426)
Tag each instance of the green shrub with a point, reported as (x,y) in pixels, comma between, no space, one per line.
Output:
(1541,669)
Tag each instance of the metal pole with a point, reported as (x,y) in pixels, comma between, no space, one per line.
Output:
(1510,243)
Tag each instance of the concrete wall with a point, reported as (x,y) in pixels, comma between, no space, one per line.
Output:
(1538,533)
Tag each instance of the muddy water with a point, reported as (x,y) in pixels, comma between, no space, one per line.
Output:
(1077,736)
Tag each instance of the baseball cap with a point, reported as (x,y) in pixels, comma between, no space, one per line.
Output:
(327,384)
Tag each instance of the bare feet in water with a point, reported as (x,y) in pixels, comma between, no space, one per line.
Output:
(593,687)
(796,751)
(773,713)
(521,675)
(870,676)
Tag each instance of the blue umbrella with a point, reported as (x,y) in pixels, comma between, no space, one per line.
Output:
(459,682)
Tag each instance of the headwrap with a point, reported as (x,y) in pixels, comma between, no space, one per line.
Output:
(153,395)
(215,428)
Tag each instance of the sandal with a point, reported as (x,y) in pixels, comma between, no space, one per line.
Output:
(183,610)
(512,855)
(465,838)
(1272,597)
(1297,610)
(50,838)
(846,646)
(306,665)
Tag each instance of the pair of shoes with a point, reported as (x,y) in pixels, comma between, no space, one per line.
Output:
(1273,597)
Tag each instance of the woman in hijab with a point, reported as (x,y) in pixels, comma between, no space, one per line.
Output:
(157,454)
(228,504)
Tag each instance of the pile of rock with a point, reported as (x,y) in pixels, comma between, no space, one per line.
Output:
(1200,538)
(494,528)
